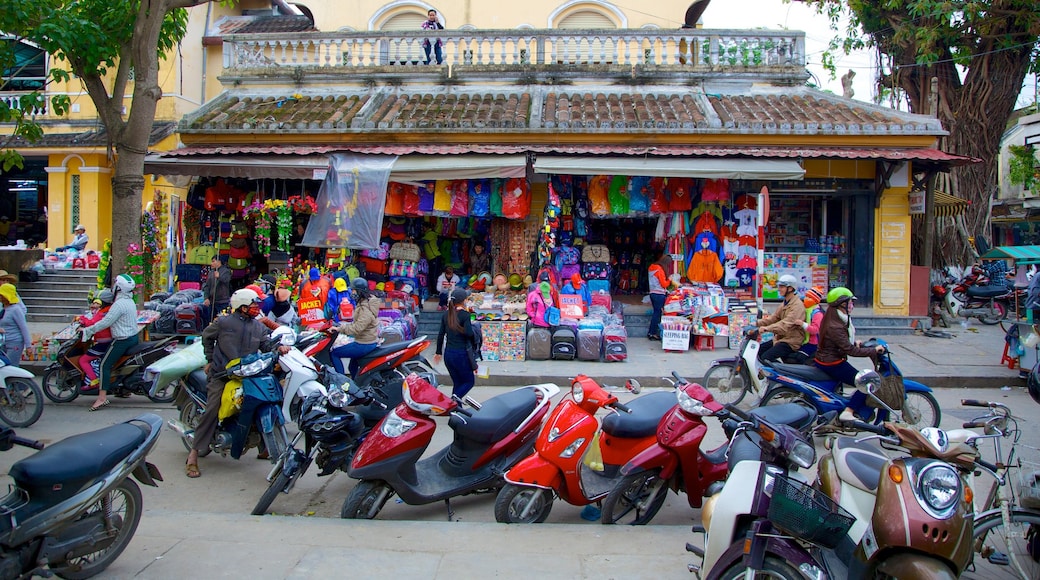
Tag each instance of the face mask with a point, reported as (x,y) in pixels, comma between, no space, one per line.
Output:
(254,311)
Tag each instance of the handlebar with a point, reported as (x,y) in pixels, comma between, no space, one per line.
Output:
(987,465)
(975,403)
(30,443)
(736,412)
(870,428)
(621,407)
(973,424)
(679,378)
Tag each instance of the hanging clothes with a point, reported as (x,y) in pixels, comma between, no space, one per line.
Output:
(704,264)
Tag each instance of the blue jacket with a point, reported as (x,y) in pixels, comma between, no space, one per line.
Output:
(586,296)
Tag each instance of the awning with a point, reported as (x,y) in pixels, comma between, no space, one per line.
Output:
(705,168)
(1022,255)
(947,205)
(407,168)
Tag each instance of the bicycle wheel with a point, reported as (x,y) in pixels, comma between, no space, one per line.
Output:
(21,403)
(1010,550)
(921,410)
(725,384)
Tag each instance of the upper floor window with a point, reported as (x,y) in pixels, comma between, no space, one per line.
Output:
(28,71)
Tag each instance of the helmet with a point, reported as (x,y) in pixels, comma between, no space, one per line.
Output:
(787,280)
(124,284)
(243,297)
(106,296)
(256,288)
(359,283)
(839,295)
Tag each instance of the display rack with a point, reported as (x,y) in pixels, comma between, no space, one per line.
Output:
(790,224)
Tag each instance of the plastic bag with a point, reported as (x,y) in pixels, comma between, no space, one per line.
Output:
(231,400)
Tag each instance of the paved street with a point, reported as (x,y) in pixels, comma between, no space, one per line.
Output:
(199,527)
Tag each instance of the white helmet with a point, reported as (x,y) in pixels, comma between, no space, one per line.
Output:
(124,284)
(242,298)
(787,280)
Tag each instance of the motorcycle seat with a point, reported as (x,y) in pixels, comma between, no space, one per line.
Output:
(990,291)
(72,462)
(805,372)
(496,417)
(383,349)
(790,414)
(858,463)
(642,422)
(143,346)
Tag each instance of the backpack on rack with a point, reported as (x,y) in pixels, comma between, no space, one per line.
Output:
(595,271)
(595,253)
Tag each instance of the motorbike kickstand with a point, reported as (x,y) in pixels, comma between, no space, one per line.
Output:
(451,513)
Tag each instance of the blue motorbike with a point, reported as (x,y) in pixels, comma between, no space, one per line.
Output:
(808,385)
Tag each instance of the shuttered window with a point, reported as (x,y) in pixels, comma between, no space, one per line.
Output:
(405,50)
(587,51)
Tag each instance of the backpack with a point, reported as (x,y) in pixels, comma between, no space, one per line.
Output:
(567,255)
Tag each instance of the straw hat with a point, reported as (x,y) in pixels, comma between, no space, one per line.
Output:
(7,278)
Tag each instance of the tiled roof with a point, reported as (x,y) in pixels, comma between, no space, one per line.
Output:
(768,111)
(91,138)
(262,25)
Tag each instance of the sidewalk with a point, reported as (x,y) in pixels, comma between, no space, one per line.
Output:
(970,359)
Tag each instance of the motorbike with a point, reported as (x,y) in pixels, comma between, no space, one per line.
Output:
(810,386)
(973,296)
(73,508)
(676,461)
(256,418)
(577,459)
(730,380)
(63,378)
(21,399)
(332,427)
(385,367)
(867,515)
(490,438)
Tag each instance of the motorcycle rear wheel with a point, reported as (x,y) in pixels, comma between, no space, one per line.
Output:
(514,499)
(1000,313)
(22,403)
(272,492)
(124,504)
(60,385)
(728,387)
(778,395)
(164,394)
(623,503)
(772,567)
(365,500)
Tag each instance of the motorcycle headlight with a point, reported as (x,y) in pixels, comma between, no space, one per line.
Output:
(803,455)
(573,447)
(394,426)
(692,405)
(577,393)
(939,486)
(338,398)
(252,368)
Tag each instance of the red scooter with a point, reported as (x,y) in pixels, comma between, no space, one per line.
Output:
(675,461)
(488,440)
(573,460)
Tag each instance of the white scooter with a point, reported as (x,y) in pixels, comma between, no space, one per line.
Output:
(21,399)
(730,380)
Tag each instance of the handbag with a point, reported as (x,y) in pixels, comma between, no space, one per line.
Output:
(471,352)
(595,253)
(891,392)
(405,251)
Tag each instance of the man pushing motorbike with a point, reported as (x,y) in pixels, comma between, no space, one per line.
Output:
(234,335)
(785,323)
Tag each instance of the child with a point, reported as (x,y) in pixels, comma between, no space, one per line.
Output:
(90,362)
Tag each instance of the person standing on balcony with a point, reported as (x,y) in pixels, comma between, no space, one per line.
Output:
(431,23)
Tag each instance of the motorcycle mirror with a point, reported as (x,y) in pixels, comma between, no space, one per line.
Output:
(633,386)
(867,381)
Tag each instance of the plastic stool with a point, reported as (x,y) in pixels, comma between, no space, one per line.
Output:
(1011,362)
(701,342)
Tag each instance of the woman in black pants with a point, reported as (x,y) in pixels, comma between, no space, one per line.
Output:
(456,326)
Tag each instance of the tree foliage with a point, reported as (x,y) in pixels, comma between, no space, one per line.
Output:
(979,51)
(109,46)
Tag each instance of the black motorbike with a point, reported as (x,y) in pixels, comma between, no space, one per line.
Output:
(333,423)
(73,508)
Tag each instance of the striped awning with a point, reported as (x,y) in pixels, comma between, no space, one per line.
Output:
(947,205)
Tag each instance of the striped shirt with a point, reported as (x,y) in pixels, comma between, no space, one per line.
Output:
(121,318)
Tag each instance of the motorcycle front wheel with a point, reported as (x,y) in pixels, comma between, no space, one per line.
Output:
(191,416)
(21,403)
(772,567)
(277,485)
(118,514)
(635,500)
(365,500)
(60,385)
(514,500)
(163,394)
(920,410)
(726,384)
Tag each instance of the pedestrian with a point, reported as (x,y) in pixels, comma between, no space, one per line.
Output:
(364,328)
(837,343)
(446,284)
(90,362)
(79,242)
(432,23)
(785,323)
(217,291)
(13,324)
(660,282)
(234,335)
(457,344)
(122,319)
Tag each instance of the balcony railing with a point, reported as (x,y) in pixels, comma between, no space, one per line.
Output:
(700,49)
(14,101)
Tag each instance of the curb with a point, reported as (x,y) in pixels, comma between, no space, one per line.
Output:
(658,382)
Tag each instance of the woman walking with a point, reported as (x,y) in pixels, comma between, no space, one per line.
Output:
(458,330)
(13,325)
(660,282)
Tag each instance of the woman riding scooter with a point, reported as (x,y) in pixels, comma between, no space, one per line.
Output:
(837,344)
(364,328)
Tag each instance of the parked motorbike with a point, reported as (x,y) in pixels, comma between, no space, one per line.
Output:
(973,296)
(808,385)
(574,457)
(63,378)
(332,426)
(21,399)
(257,419)
(730,380)
(388,364)
(489,440)
(676,461)
(73,508)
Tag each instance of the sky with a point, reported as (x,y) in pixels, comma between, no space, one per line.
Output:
(775,14)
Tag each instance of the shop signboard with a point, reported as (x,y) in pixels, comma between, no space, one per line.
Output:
(571,306)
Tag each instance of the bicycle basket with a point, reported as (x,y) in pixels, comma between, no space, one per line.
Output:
(1029,490)
(807,513)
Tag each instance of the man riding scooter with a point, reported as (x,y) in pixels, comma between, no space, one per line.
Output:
(228,337)
(785,324)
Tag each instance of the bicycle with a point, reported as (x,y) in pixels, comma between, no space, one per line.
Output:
(1007,533)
